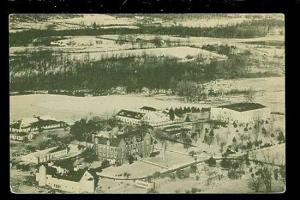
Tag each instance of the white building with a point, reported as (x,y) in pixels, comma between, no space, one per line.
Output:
(240,112)
(150,116)
(34,124)
(45,155)
(21,136)
(76,182)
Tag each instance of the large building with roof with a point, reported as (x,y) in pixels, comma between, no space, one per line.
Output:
(240,112)
(148,115)
(80,181)
(38,123)
(118,146)
(45,155)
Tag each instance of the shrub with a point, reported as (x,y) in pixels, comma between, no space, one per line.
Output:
(235,165)
(105,164)
(182,174)
(226,163)
(232,174)
(193,168)
(156,175)
(211,162)
(153,154)
(255,183)
(130,159)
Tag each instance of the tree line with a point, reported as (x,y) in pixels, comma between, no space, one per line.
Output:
(45,70)
(250,29)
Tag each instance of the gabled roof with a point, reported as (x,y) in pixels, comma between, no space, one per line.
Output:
(115,141)
(131,114)
(70,176)
(242,107)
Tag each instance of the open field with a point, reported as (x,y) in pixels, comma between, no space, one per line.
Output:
(74,66)
(172,52)
(269,91)
(274,154)
(62,22)
(73,108)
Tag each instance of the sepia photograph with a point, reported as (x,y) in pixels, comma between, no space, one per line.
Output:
(147,103)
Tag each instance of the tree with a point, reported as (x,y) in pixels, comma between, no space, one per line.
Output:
(250,96)
(264,131)
(222,145)
(211,162)
(156,175)
(234,142)
(186,88)
(130,159)
(94,25)
(187,142)
(158,42)
(105,164)
(160,136)
(233,174)
(266,176)
(255,183)
(226,163)
(282,173)
(25,140)
(171,114)
(80,130)
(210,138)
(193,168)
(280,137)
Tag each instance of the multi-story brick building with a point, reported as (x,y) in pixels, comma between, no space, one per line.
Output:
(119,146)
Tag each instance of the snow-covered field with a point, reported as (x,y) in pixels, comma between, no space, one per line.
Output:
(173,52)
(72,108)
(269,91)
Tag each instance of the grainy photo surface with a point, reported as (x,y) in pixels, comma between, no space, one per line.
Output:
(147,103)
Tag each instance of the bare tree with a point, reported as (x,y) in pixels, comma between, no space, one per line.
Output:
(255,183)
(266,171)
(250,95)
(161,137)
(222,145)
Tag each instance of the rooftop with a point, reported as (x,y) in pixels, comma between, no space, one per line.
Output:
(131,114)
(115,139)
(148,108)
(241,107)
(40,152)
(71,175)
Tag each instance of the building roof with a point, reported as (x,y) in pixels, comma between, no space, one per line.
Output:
(148,108)
(58,148)
(116,139)
(131,114)
(46,122)
(41,152)
(21,133)
(241,107)
(15,125)
(71,175)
